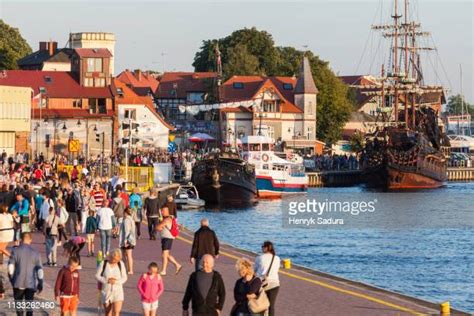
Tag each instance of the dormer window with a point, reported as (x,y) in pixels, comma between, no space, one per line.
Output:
(238,85)
(120,92)
(287,86)
(94,64)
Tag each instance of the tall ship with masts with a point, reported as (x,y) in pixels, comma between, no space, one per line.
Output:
(407,151)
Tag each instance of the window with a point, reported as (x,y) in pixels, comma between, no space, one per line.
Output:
(270,133)
(130,114)
(309,133)
(120,92)
(48,79)
(77,104)
(270,106)
(287,86)
(238,85)
(99,82)
(266,147)
(93,105)
(88,82)
(102,106)
(94,64)
(309,109)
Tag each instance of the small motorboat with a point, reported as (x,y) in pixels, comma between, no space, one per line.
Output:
(187,197)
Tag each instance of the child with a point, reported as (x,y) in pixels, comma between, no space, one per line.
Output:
(50,227)
(91,228)
(150,285)
(67,287)
(73,247)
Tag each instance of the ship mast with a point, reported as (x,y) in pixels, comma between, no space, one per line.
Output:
(395,17)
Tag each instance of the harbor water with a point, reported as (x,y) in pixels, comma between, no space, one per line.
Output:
(420,244)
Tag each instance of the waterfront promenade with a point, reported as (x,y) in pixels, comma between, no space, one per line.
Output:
(303,292)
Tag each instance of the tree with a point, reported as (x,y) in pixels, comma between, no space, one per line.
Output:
(240,61)
(12,46)
(455,103)
(253,52)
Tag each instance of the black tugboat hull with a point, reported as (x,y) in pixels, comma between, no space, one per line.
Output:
(225,182)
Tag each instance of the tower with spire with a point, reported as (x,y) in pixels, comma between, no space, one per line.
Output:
(306,99)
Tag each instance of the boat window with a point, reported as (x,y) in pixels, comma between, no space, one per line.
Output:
(254,147)
(245,147)
(266,147)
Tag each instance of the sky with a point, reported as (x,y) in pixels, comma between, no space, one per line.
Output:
(165,35)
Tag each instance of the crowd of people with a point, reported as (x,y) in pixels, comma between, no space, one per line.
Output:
(70,209)
(333,162)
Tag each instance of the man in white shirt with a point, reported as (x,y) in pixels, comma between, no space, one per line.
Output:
(106,222)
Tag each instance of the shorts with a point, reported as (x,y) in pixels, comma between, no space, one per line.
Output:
(68,304)
(90,237)
(127,247)
(166,243)
(150,306)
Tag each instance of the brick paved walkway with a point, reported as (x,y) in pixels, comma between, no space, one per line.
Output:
(303,292)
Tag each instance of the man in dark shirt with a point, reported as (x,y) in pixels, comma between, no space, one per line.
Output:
(152,211)
(206,290)
(205,242)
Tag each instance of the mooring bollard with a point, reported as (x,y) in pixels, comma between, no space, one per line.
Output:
(287,264)
(445,308)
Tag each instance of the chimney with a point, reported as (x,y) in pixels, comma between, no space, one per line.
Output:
(43,45)
(138,74)
(52,48)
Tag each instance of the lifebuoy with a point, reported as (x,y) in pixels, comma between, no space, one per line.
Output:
(265,157)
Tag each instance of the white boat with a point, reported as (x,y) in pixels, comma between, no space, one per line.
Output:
(462,143)
(187,197)
(275,176)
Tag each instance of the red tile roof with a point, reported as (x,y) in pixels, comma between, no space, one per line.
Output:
(184,82)
(130,97)
(141,80)
(252,85)
(58,84)
(93,52)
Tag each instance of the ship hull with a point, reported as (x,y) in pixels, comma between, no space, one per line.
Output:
(402,180)
(268,188)
(225,182)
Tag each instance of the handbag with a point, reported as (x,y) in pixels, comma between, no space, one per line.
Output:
(264,281)
(259,304)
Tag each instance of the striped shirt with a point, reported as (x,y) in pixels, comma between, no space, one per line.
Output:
(99,197)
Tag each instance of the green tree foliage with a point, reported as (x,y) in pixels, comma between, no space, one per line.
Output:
(12,46)
(253,52)
(455,104)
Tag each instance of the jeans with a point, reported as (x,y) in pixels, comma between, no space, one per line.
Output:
(51,248)
(152,222)
(21,295)
(105,236)
(138,226)
(272,295)
(71,224)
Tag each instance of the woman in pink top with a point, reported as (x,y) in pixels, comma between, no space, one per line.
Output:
(150,286)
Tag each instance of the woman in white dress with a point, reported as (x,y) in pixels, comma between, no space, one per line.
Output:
(112,274)
(6,229)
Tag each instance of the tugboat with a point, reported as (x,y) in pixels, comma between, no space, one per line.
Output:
(409,150)
(224,179)
(276,176)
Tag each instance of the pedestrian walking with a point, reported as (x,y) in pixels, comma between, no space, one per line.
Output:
(167,237)
(150,286)
(111,275)
(171,205)
(267,266)
(63,218)
(91,229)
(25,271)
(118,206)
(106,223)
(72,204)
(50,230)
(128,239)
(152,208)
(205,242)
(246,288)
(137,210)
(21,207)
(67,287)
(6,230)
(205,290)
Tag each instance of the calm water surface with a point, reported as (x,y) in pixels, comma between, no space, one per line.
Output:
(433,261)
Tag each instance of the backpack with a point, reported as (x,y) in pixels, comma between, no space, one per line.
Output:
(174,230)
